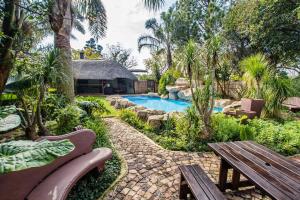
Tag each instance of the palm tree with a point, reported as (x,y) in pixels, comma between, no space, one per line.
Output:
(62,15)
(255,68)
(160,40)
(154,4)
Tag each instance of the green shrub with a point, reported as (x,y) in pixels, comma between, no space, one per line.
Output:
(68,118)
(225,128)
(131,118)
(172,143)
(93,185)
(168,78)
(283,138)
(92,105)
(52,104)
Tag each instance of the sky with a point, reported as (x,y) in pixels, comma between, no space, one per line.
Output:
(126,22)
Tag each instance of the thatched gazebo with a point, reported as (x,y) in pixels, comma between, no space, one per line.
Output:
(102,77)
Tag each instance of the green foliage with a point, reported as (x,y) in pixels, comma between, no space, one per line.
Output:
(276,90)
(9,123)
(131,118)
(68,118)
(92,185)
(7,110)
(20,155)
(256,26)
(52,104)
(93,105)
(255,68)
(168,78)
(225,128)
(283,138)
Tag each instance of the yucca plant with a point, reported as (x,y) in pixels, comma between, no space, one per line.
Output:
(255,68)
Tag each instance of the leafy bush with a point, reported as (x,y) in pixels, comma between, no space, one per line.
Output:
(172,143)
(20,155)
(52,104)
(92,185)
(283,138)
(131,118)
(67,119)
(168,78)
(92,105)
(225,128)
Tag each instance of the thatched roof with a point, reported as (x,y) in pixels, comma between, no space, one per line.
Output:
(100,70)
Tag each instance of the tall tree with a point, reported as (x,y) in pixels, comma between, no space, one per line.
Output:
(62,14)
(121,55)
(12,20)
(161,38)
(271,27)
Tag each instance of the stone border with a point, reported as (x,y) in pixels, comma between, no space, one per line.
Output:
(123,172)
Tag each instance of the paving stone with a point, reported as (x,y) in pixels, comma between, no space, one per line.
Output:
(153,171)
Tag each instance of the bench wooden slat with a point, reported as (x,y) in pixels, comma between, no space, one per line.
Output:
(200,184)
(254,173)
(210,188)
(58,184)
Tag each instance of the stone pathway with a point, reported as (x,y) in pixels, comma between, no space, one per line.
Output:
(153,171)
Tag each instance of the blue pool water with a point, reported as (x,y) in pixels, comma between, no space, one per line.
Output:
(167,105)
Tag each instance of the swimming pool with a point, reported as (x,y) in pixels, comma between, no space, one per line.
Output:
(167,105)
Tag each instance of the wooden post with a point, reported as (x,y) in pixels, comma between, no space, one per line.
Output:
(183,188)
(235,179)
(223,175)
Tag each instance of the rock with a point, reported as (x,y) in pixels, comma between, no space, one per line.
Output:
(136,108)
(122,103)
(145,114)
(173,95)
(182,82)
(174,89)
(231,107)
(185,94)
(166,96)
(155,121)
(152,94)
(142,114)
(223,102)
(174,114)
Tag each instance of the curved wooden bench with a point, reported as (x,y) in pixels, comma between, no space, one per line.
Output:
(20,184)
(58,185)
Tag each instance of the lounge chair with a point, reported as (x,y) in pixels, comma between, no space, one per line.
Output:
(250,107)
(54,181)
(292,103)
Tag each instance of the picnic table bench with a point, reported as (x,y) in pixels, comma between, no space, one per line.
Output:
(274,174)
(195,181)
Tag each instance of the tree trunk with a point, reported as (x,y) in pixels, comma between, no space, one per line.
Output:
(169,57)
(42,129)
(9,28)
(61,23)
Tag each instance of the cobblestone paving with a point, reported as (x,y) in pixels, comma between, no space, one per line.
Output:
(153,171)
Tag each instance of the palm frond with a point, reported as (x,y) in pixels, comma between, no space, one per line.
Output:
(95,13)
(78,26)
(154,4)
(151,24)
(148,41)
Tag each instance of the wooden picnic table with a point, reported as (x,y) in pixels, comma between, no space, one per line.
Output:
(274,174)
